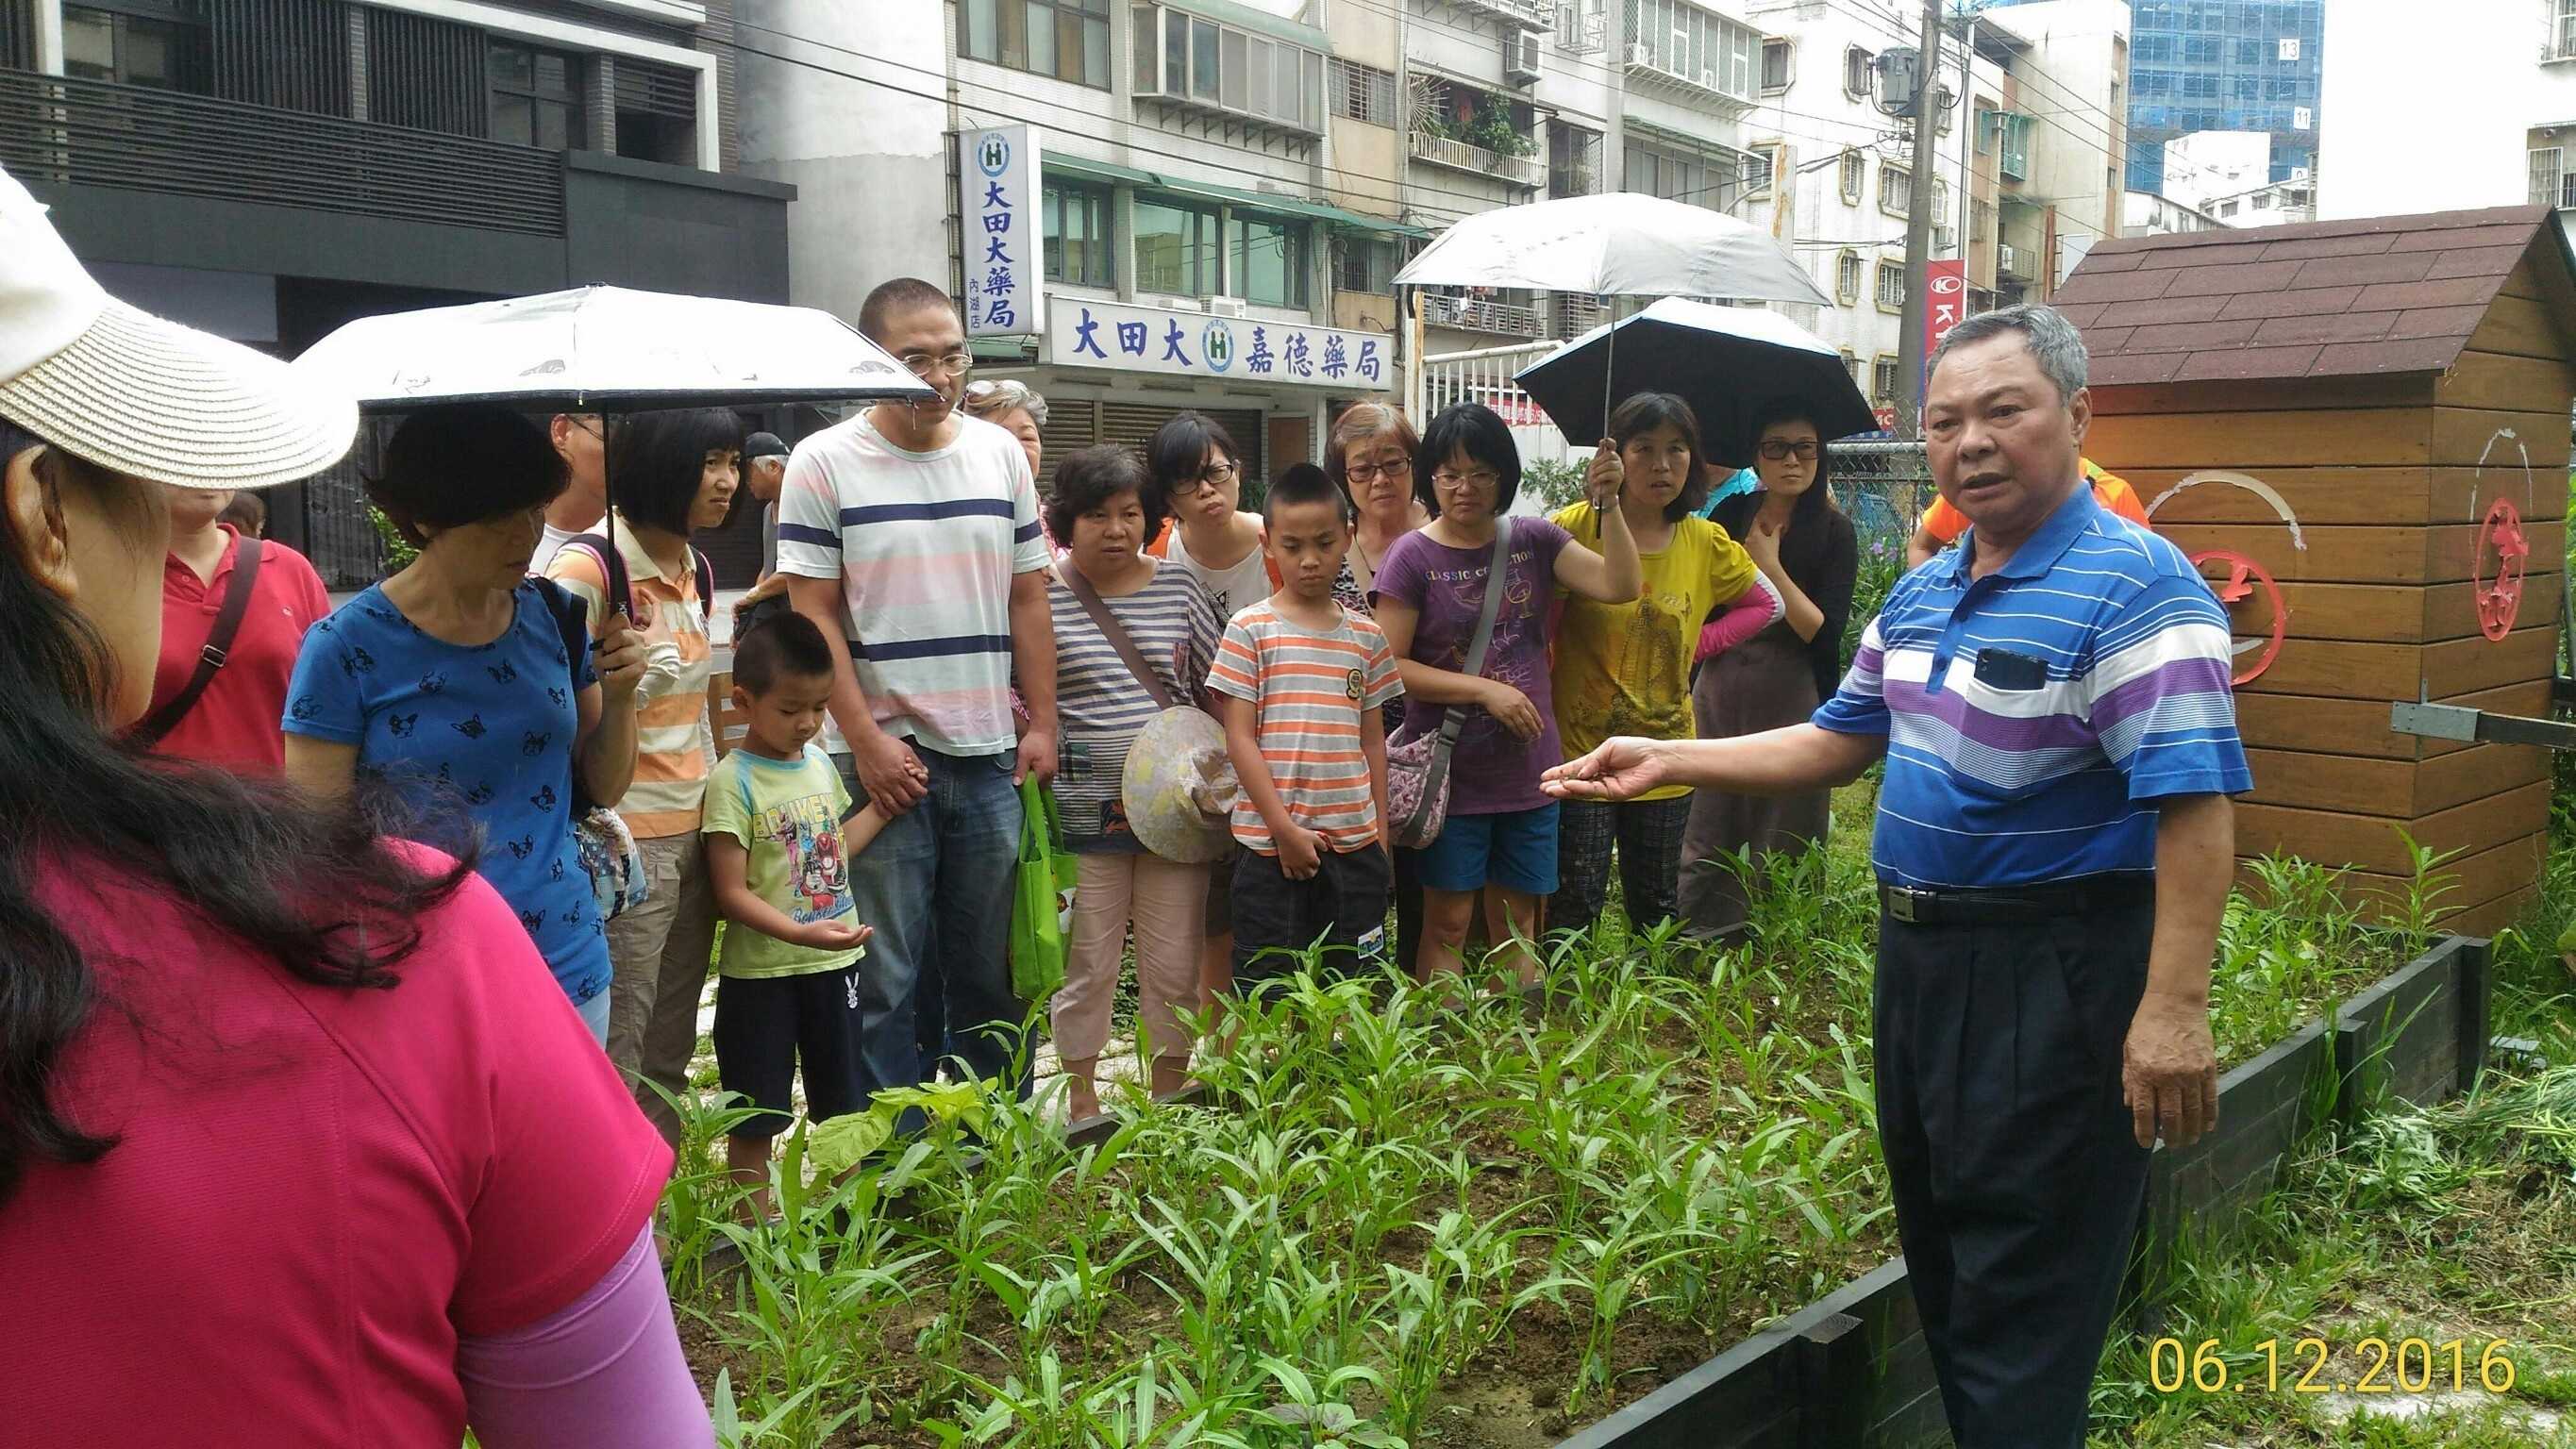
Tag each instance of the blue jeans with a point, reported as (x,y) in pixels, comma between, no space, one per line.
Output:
(936,884)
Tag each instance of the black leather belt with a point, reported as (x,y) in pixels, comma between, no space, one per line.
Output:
(2041,902)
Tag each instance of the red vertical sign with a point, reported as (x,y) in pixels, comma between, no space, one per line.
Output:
(1945,300)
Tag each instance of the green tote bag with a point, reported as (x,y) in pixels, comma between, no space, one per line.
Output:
(1041,897)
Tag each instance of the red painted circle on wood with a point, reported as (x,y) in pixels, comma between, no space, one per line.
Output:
(2500,597)
(2243,573)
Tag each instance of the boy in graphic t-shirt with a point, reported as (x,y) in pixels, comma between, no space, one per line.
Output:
(1303,680)
(778,852)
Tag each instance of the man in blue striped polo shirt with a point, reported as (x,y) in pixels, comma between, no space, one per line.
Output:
(2054,846)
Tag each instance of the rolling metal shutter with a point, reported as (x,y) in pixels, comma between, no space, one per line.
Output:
(1134,424)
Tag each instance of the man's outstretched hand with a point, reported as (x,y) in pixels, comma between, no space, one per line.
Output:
(1622,769)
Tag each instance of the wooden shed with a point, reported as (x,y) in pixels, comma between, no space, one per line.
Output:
(2360,430)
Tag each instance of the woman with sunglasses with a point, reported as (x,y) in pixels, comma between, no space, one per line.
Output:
(1012,406)
(1501,835)
(1777,676)
(1624,668)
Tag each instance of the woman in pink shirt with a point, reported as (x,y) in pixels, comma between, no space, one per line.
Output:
(300,1144)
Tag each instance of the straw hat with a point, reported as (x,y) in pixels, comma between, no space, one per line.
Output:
(138,395)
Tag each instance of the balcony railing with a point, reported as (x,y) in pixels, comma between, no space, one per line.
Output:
(1530,171)
(1531,14)
(94,133)
(1580,29)
(1577,314)
(1477,314)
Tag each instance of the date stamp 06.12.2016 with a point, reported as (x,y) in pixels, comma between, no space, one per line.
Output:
(2313,1366)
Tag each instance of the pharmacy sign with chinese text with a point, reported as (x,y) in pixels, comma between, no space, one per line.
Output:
(1175,343)
(996,205)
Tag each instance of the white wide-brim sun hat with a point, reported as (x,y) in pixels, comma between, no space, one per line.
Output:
(142,396)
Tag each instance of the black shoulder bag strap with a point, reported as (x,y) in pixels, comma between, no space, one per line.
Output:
(1116,633)
(618,595)
(219,643)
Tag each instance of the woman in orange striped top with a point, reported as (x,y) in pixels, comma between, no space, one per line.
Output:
(673,472)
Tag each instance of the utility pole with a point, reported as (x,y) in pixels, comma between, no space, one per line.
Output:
(1921,191)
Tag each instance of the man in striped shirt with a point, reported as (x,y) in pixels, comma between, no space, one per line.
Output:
(2054,847)
(1303,680)
(909,535)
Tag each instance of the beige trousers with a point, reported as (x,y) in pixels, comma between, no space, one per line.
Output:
(1166,903)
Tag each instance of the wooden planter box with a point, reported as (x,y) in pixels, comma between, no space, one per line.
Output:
(1852,1368)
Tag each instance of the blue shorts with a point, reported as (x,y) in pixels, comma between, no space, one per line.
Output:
(1515,850)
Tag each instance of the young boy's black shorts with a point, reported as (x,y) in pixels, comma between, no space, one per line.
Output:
(767,1026)
(1344,902)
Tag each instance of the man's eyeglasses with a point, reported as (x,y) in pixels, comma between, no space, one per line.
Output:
(1371,472)
(1777,449)
(1446,479)
(952,364)
(1211,479)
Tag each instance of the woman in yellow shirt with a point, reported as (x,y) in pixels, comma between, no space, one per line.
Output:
(1624,669)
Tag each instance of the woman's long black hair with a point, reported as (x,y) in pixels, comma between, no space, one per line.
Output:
(314,887)
(1815,531)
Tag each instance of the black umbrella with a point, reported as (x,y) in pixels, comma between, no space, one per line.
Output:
(1726,362)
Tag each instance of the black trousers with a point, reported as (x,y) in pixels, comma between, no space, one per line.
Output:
(2016,1178)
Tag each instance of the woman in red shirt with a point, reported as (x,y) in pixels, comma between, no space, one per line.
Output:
(300,1145)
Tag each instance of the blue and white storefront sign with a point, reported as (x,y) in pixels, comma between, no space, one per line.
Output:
(1193,344)
(996,204)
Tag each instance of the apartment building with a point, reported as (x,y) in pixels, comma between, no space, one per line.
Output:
(269,169)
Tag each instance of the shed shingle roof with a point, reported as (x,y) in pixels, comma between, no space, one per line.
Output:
(2324,299)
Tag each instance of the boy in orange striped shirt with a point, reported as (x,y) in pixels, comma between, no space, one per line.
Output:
(1301,681)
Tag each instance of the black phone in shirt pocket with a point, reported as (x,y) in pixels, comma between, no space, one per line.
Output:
(2004,669)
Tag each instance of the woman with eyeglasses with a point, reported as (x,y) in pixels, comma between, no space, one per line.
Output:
(1624,669)
(1777,676)
(1198,472)
(1501,835)
(1369,456)
(1015,408)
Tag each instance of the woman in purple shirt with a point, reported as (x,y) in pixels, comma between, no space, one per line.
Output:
(1501,831)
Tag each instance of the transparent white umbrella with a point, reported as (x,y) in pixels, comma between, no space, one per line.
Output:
(607,350)
(1619,244)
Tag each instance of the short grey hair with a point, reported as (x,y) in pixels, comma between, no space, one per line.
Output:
(1005,395)
(2053,342)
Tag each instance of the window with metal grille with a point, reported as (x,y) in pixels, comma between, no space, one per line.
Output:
(1891,285)
(1573,160)
(1883,379)
(2552,184)
(2012,136)
(1775,64)
(1856,72)
(536,97)
(657,111)
(426,74)
(1266,259)
(1757,169)
(1853,177)
(1847,276)
(2562,30)
(1368,265)
(1362,92)
(1895,189)
(1065,39)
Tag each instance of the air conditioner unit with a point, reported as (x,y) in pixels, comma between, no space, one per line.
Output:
(1640,53)
(1520,57)
(1225,306)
